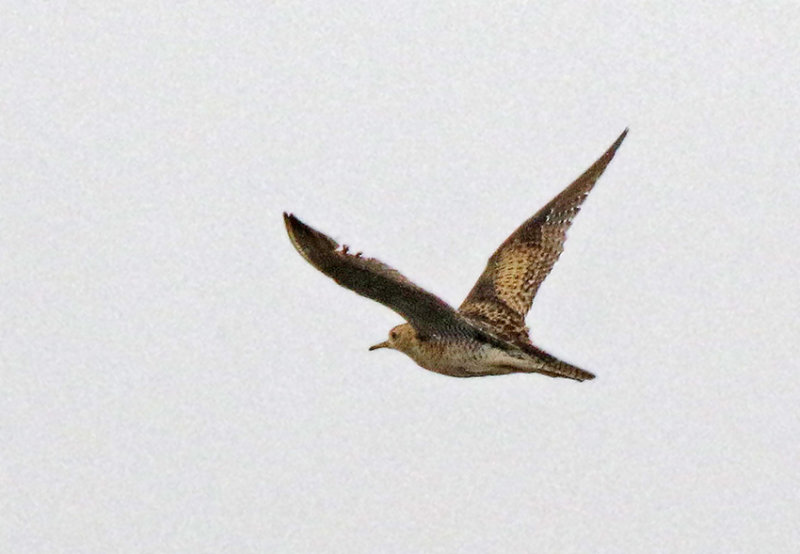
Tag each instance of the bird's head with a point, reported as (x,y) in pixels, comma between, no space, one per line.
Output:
(401,338)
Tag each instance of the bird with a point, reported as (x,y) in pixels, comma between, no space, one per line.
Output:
(487,334)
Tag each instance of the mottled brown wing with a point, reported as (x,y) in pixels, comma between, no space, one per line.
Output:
(369,277)
(504,292)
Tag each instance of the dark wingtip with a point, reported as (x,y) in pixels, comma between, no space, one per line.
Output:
(290,221)
(294,225)
(598,167)
(313,245)
(613,148)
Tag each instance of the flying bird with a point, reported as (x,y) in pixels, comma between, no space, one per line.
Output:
(486,335)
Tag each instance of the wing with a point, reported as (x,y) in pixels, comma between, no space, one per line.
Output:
(504,292)
(426,312)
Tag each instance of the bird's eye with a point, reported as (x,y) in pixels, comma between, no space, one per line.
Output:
(393,335)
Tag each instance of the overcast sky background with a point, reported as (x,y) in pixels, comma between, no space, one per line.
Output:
(175,378)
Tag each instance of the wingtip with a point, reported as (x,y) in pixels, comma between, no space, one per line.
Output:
(289,221)
(310,243)
(297,228)
(600,165)
(294,225)
(617,143)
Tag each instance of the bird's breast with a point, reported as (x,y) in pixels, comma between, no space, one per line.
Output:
(460,358)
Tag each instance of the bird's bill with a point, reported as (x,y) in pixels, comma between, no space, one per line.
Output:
(384,344)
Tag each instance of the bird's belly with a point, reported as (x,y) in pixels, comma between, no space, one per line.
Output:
(463,360)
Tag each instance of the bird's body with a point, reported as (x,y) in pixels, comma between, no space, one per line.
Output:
(453,355)
(468,358)
(487,334)
(457,357)
(464,355)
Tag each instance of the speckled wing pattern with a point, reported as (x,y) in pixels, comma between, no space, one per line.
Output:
(504,292)
(369,277)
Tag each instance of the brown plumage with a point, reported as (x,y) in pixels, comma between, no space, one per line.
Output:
(487,335)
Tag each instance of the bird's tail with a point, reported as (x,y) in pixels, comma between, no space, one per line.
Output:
(540,361)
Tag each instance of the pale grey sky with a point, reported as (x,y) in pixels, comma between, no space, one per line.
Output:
(175,378)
